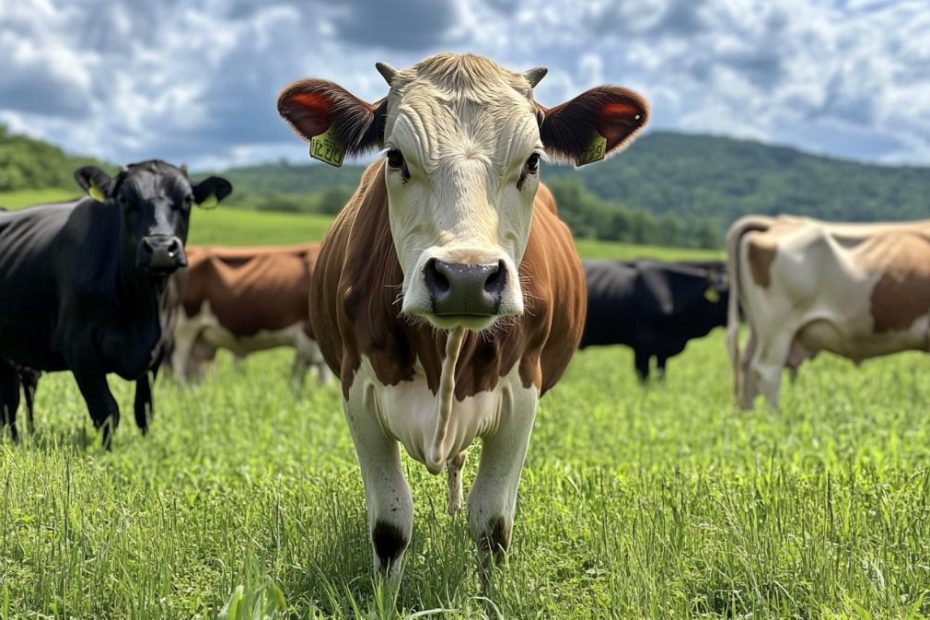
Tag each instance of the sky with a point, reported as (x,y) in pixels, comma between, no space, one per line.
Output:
(196,82)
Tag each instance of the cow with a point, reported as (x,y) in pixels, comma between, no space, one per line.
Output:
(448,296)
(80,282)
(247,300)
(857,290)
(655,308)
(143,407)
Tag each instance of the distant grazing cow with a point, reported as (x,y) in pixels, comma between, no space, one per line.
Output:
(247,300)
(857,290)
(80,282)
(448,295)
(652,307)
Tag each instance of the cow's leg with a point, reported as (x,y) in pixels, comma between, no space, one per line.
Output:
(142,405)
(9,397)
(390,505)
(186,333)
(746,389)
(30,381)
(299,372)
(768,363)
(641,362)
(454,472)
(493,497)
(660,363)
(92,382)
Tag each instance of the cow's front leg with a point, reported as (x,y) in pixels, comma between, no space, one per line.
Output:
(454,472)
(493,497)
(142,404)
(390,505)
(9,397)
(92,382)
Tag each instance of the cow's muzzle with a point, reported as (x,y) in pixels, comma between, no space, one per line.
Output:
(161,254)
(458,289)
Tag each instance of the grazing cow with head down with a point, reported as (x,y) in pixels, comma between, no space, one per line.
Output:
(653,307)
(80,282)
(857,290)
(247,300)
(448,295)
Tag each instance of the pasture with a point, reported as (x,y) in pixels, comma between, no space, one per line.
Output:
(660,502)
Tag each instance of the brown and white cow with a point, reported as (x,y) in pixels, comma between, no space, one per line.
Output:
(805,286)
(247,300)
(448,295)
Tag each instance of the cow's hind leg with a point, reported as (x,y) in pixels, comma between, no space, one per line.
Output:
(661,361)
(30,380)
(454,472)
(641,362)
(142,405)
(390,505)
(9,397)
(493,497)
(767,364)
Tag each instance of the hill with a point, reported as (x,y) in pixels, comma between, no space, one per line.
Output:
(27,163)
(694,176)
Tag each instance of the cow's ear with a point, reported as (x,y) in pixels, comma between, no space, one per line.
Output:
(211,191)
(97,183)
(593,125)
(332,119)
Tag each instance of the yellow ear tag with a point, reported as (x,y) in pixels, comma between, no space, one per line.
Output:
(209,202)
(596,150)
(96,193)
(327,148)
(712,295)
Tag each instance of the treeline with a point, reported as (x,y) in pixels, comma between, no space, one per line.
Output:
(590,217)
(26,163)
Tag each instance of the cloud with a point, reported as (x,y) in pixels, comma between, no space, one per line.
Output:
(128,80)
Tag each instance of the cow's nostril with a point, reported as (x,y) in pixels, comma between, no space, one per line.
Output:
(497,279)
(436,281)
(147,246)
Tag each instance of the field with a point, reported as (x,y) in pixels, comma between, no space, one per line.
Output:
(660,502)
(666,502)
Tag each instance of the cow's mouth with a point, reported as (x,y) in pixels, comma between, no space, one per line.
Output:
(473,322)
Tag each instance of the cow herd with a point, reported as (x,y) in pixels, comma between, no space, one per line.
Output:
(446,298)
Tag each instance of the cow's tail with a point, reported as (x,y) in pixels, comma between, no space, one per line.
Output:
(747,224)
(437,454)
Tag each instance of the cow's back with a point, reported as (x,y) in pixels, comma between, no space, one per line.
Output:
(251,289)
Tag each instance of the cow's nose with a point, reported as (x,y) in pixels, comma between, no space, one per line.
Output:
(161,253)
(458,289)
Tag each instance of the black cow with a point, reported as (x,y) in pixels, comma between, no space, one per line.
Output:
(653,307)
(80,282)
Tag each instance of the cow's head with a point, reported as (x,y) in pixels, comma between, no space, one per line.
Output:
(463,140)
(155,201)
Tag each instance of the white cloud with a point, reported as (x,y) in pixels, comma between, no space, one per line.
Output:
(129,80)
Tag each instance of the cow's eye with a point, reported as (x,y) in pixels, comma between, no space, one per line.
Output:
(532,164)
(188,200)
(395,159)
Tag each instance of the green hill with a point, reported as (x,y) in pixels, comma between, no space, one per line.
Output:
(27,163)
(694,176)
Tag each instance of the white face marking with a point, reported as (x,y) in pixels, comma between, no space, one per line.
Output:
(463,194)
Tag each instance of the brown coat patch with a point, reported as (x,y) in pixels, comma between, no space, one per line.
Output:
(354,305)
(761,252)
(902,294)
(251,289)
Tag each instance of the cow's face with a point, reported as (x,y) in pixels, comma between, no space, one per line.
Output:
(463,140)
(155,201)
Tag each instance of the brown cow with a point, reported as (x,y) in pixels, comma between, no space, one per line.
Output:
(448,296)
(857,290)
(247,300)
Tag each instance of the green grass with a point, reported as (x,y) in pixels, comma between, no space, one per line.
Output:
(26,197)
(662,502)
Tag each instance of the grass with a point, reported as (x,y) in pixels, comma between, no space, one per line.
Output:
(26,197)
(662,502)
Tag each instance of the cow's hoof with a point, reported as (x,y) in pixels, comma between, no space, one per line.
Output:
(389,542)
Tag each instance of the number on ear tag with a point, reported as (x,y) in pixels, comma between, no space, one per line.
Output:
(327,148)
(596,151)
